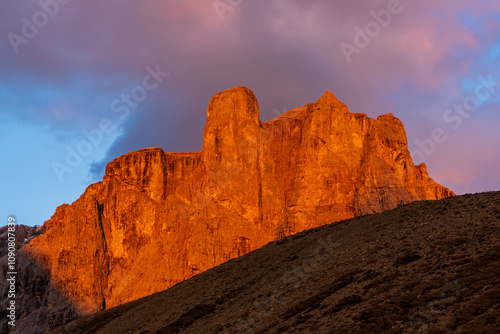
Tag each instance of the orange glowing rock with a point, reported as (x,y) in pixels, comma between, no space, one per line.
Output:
(159,218)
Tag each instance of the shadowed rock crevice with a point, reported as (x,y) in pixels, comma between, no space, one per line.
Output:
(426,267)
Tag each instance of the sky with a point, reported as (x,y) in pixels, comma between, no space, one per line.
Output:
(83,82)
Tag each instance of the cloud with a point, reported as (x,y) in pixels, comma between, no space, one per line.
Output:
(288,52)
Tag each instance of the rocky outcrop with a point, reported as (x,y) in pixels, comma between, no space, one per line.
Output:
(427,267)
(159,218)
(22,236)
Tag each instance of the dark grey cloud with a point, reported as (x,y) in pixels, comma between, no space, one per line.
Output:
(287,52)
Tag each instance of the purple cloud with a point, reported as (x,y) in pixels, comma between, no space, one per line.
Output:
(89,53)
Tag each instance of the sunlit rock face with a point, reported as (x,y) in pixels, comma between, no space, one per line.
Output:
(159,218)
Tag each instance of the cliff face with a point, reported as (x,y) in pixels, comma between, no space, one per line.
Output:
(427,267)
(159,218)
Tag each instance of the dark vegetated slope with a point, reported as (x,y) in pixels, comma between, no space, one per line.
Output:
(426,267)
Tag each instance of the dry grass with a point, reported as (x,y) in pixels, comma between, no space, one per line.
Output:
(425,267)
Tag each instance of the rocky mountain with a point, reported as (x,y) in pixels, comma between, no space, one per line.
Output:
(159,218)
(23,236)
(426,267)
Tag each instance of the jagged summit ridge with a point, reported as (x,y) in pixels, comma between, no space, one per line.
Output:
(330,102)
(159,218)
